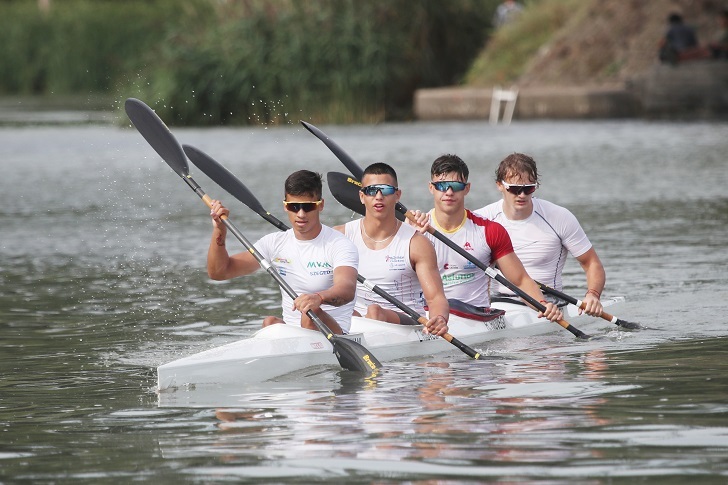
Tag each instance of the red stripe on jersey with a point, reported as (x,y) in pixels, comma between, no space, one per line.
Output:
(495,235)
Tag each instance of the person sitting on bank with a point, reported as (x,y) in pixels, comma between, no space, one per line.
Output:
(680,42)
(719,47)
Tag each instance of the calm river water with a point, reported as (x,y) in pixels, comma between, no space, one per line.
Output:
(102,278)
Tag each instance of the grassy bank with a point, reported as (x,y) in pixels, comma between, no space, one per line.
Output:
(508,53)
(255,61)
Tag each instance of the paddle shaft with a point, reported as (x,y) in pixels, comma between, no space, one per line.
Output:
(261,260)
(496,276)
(358,172)
(350,354)
(580,304)
(412,313)
(237,189)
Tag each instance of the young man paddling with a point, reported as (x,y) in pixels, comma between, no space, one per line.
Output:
(316,261)
(485,240)
(542,232)
(394,256)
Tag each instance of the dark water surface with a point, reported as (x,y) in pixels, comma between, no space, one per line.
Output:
(102,255)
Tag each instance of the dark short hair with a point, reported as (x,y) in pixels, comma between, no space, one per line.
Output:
(675,18)
(380,168)
(449,163)
(517,164)
(304,182)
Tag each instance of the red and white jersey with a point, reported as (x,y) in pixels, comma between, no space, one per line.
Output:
(486,240)
(542,240)
(308,267)
(390,268)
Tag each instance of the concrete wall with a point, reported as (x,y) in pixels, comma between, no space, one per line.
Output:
(697,90)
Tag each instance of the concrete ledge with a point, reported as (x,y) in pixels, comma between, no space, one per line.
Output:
(692,90)
(533,103)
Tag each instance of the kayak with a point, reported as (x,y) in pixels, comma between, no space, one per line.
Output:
(280,349)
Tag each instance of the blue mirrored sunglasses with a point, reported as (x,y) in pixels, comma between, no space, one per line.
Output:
(385,189)
(443,185)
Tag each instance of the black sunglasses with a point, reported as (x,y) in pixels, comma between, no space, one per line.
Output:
(455,185)
(514,189)
(297,206)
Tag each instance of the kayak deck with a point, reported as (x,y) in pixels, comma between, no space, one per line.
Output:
(280,349)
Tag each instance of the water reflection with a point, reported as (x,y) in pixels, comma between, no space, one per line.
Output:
(466,412)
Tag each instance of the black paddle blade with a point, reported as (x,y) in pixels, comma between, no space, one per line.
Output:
(344,157)
(232,185)
(345,189)
(628,325)
(223,177)
(354,356)
(153,129)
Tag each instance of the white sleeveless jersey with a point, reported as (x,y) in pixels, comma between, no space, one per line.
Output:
(308,267)
(542,240)
(486,240)
(389,268)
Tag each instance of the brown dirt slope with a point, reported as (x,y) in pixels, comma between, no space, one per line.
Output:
(616,41)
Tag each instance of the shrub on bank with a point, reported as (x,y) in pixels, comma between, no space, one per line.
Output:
(253,61)
(77,46)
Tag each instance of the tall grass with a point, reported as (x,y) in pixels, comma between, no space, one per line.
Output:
(78,46)
(244,61)
(278,61)
(506,55)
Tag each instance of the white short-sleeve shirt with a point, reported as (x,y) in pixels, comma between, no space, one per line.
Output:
(308,267)
(542,240)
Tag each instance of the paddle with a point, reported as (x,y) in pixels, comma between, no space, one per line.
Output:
(357,171)
(225,179)
(580,304)
(351,355)
(346,191)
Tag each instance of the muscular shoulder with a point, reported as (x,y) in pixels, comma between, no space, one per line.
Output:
(421,248)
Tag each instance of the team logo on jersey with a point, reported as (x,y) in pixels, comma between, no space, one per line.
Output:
(456,279)
(319,268)
(467,246)
(450,266)
(395,262)
(318,265)
(469,265)
(282,260)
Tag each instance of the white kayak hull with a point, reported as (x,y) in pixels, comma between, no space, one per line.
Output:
(281,349)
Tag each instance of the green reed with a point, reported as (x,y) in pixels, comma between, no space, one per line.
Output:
(246,61)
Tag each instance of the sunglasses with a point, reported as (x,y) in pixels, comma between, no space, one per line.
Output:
(385,189)
(514,189)
(297,206)
(444,185)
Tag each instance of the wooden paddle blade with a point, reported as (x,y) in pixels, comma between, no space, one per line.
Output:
(153,129)
(354,356)
(344,157)
(345,189)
